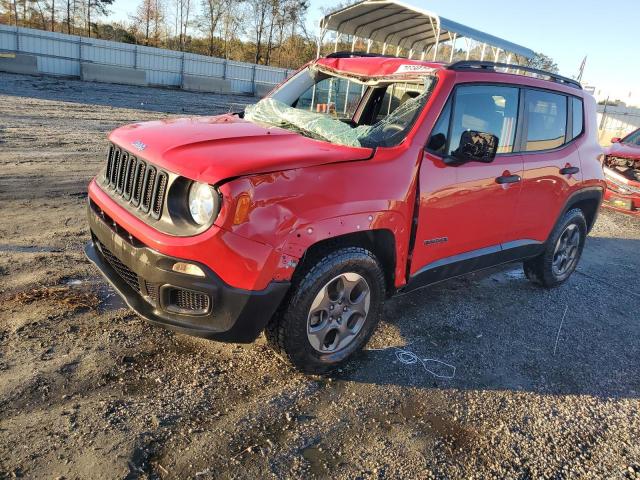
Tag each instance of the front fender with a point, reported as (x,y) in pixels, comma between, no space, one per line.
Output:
(295,209)
(300,240)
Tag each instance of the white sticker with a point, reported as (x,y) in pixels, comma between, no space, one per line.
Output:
(412,68)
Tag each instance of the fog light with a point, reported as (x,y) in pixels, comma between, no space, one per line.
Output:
(188,269)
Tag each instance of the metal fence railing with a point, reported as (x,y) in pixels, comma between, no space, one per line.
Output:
(616,122)
(62,54)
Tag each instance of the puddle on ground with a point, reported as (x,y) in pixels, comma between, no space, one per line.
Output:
(515,274)
(108,299)
(321,461)
(428,422)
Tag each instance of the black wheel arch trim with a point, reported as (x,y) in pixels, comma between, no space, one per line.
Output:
(588,193)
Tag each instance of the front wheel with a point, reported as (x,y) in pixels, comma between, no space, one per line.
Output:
(332,310)
(562,251)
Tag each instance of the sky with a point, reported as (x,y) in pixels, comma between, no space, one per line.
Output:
(565,30)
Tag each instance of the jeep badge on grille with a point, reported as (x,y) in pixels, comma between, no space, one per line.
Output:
(139,145)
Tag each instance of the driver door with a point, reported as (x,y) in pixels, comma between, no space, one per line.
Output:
(467,212)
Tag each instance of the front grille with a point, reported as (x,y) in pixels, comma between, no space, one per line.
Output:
(125,272)
(135,181)
(188,301)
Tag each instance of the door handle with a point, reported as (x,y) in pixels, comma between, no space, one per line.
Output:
(569,170)
(508,179)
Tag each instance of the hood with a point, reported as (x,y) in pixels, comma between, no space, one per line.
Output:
(212,149)
(624,150)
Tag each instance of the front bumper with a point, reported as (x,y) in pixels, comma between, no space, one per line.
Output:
(621,202)
(144,279)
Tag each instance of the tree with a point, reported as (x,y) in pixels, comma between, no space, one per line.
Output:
(259,11)
(231,24)
(212,11)
(99,7)
(150,15)
(183,10)
(267,31)
(542,62)
(68,18)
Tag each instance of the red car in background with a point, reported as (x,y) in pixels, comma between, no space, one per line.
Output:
(621,167)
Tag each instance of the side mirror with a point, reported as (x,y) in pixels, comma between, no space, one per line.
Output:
(615,140)
(474,147)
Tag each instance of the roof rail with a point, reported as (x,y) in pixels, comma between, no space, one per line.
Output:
(491,66)
(349,54)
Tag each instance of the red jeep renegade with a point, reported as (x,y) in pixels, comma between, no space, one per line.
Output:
(359,177)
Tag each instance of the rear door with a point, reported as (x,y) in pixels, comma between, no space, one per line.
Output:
(463,211)
(551,160)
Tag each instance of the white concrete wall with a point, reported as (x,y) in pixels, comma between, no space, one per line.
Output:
(62,54)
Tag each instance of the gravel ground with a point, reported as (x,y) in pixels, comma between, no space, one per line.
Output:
(89,390)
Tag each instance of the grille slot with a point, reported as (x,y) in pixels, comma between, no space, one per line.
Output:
(124,166)
(149,184)
(135,181)
(131,169)
(188,301)
(125,272)
(107,173)
(115,170)
(139,182)
(158,196)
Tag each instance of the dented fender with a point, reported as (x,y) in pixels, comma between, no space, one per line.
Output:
(299,241)
(295,209)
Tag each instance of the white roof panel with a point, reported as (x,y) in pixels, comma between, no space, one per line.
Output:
(408,27)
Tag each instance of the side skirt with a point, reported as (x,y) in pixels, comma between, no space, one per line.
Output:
(473,261)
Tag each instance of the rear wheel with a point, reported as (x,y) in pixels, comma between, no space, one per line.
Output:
(331,311)
(562,251)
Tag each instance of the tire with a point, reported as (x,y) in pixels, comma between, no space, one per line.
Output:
(545,269)
(303,336)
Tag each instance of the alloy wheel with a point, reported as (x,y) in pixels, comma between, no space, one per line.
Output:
(338,312)
(565,254)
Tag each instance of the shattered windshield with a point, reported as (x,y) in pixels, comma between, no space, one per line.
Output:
(342,110)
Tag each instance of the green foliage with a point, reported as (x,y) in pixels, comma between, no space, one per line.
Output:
(542,62)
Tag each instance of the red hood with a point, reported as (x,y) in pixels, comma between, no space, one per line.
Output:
(211,149)
(624,150)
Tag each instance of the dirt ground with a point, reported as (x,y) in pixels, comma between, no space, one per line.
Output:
(89,390)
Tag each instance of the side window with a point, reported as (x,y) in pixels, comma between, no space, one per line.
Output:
(335,96)
(486,109)
(438,140)
(578,118)
(546,115)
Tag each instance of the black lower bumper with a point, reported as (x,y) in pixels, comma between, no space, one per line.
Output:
(144,279)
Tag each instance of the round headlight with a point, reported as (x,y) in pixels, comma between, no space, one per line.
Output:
(201,203)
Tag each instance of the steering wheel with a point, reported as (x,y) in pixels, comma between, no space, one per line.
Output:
(392,129)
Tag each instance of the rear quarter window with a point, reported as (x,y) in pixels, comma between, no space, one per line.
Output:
(546,117)
(577,122)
